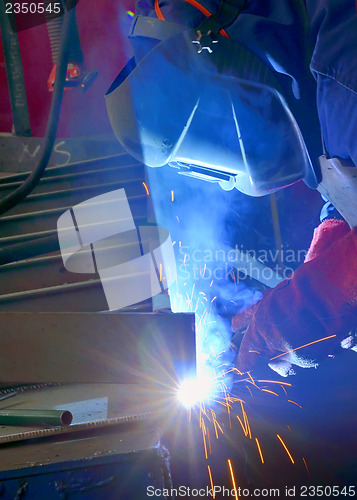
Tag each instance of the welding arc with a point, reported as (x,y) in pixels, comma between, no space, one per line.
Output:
(52,124)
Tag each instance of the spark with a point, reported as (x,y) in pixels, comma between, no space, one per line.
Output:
(211,480)
(172,196)
(146,188)
(209,441)
(178,220)
(204,439)
(247,424)
(303,459)
(219,427)
(260,450)
(297,404)
(214,423)
(273,382)
(233,480)
(302,346)
(249,391)
(286,448)
(252,380)
(246,421)
(242,425)
(270,392)
(160,278)
(257,352)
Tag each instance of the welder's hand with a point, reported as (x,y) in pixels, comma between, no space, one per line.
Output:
(319,301)
(271,345)
(339,185)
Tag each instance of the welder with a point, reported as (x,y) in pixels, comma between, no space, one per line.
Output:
(240,92)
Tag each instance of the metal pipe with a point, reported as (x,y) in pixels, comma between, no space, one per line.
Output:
(35,417)
(15,76)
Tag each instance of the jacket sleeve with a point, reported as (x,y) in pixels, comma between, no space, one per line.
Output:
(319,301)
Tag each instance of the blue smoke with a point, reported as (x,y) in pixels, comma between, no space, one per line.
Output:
(198,216)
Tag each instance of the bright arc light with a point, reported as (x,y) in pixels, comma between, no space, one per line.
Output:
(196,390)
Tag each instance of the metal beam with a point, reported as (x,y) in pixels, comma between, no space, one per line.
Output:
(146,348)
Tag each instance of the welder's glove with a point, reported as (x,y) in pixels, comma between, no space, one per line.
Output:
(319,301)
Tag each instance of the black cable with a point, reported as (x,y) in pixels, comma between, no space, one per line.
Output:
(28,185)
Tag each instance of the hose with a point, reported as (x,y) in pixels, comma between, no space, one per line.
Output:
(28,185)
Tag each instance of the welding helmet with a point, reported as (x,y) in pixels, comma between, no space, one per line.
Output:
(217,114)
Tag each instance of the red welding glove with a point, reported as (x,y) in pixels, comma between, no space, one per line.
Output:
(319,301)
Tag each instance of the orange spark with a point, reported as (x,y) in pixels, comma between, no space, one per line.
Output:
(233,480)
(235,400)
(247,424)
(257,352)
(146,188)
(204,439)
(274,382)
(260,450)
(242,425)
(209,442)
(270,392)
(289,401)
(284,389)
(214,423)
(252,380)
(302,346)
(219,427)
(211,480)
(160,278)
(249,391)
(234,369)
(246,421)
(303,459)
(286,448)
(172,196)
